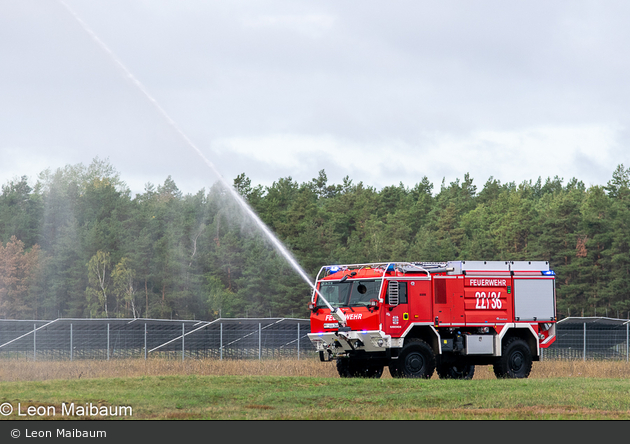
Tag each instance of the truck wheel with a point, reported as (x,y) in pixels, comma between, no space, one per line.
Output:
(345,368)
(372,371)
(348,368)
(515,362)
(416,360)
(456,371)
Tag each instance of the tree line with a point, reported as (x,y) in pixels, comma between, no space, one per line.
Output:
(78,244)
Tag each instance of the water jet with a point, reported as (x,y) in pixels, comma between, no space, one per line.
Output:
(244,206)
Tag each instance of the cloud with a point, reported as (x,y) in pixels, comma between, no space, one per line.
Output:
(529,153)
(310,25)
(278,88)
(509,156)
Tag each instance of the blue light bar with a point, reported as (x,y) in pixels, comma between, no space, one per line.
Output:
(333,269)
(549,273)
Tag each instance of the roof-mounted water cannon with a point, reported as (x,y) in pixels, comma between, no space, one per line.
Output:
(339,316)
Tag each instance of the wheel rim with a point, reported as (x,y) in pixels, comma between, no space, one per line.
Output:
(517,361)
(414,363)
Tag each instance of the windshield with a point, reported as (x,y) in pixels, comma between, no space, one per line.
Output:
(349,293)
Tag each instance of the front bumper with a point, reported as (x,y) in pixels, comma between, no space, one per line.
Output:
(339,343)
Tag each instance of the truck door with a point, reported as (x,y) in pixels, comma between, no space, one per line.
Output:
(396,317)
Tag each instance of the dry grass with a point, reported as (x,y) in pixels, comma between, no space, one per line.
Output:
(48,370)
(568,369)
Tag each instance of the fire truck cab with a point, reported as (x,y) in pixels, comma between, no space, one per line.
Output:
(420,317)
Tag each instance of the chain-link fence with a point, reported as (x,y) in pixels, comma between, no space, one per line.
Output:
(73,339)
(70,339)
(590,338)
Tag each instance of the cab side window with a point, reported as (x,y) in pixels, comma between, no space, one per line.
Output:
(402,292)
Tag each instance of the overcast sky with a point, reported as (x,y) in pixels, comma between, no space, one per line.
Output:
(382,92)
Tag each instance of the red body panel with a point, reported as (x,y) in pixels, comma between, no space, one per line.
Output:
(488,299)
(359,318)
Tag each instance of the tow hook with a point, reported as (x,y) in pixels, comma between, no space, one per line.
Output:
(325,357)
(343,334)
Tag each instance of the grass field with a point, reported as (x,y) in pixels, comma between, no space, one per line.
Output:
(307,389)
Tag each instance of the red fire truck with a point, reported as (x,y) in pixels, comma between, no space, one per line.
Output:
(421,317)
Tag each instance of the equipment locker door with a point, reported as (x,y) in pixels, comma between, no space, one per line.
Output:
(448,297)
(420,306)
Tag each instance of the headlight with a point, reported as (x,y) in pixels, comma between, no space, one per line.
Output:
(378,341)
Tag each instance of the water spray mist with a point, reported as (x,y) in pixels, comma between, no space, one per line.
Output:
(234,194)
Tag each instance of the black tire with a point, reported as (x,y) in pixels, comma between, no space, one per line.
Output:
(393,369)
(349,368)
(416,360)
(372,371)
(515,362)
(456,371)
(344,368)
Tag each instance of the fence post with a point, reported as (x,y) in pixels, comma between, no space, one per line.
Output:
(183,345)
(221,341)
(108,341)
(145,341)
(298,339)
(627,337)
(259,341)
(34,342)
(584,344)
(71,342)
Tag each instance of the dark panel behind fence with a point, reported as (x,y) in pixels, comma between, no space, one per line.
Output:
(265,338)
